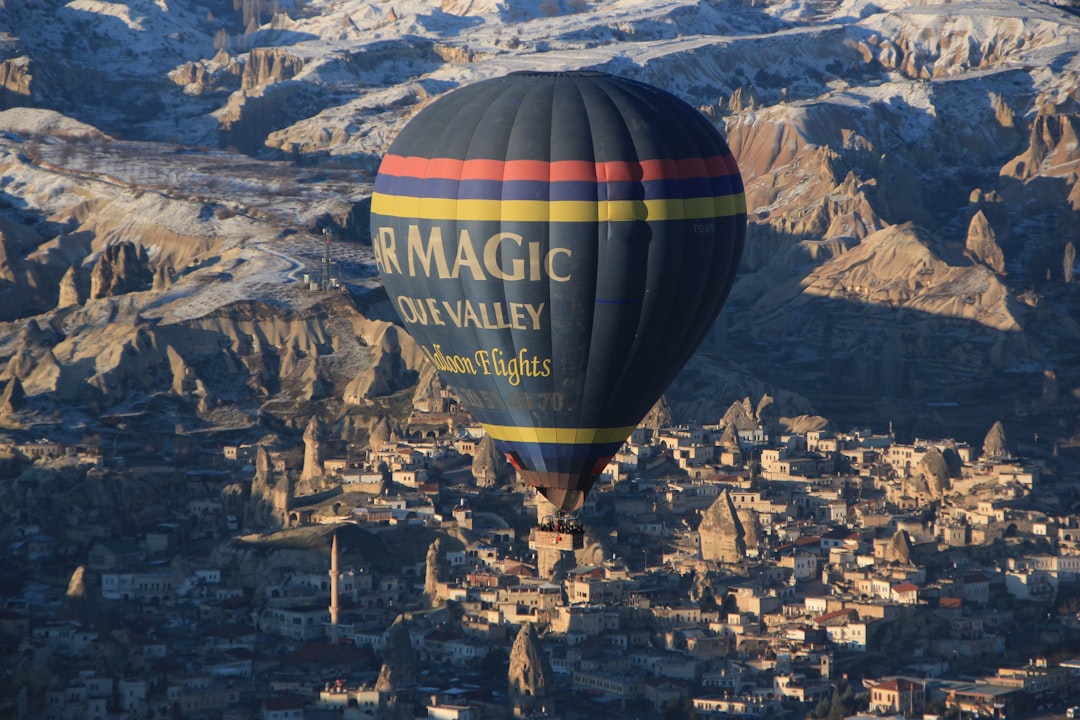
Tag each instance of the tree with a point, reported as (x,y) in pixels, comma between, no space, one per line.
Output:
(682,709)
(837,710)
(494,664)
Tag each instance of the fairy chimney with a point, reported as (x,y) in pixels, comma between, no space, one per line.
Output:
(721,534)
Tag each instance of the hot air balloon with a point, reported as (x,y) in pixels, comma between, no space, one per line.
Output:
(559,244)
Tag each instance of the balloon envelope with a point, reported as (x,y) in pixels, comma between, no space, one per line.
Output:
(559,244)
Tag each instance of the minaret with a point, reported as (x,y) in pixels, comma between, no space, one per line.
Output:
(334,575)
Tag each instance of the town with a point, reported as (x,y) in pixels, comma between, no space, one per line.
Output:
(745,569)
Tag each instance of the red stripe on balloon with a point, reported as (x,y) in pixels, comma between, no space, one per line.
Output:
(559,170)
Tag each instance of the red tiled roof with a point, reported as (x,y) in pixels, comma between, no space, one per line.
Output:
(520,571)
(835,615)
(905,587)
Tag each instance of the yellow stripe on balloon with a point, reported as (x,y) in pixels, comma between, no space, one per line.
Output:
(557,210)
(559,436)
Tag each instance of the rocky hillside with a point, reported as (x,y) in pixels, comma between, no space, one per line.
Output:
(167,172)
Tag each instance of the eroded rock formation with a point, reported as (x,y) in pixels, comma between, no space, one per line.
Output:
(898,548)
(314,437)
(436,570)
(399,659)
(721,534)
(121,268)
(530,676)
(982,243)
(933,468)
(994,445)
(489,467)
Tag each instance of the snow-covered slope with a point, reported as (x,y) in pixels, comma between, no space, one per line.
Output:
(910,168)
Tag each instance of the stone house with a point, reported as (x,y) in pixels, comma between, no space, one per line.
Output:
(905,593)
(850,635)
(296,622)
(897,695)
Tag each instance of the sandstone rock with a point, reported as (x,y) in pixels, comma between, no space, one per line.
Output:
(234,498)
(489,467)
(396,361)
(954,465)
(659,415)
(721,534)
(729,440)
(399,659)
(530,677)
(42,121)
(767,412)
(269,65)
(12,399)
(251,115)
(744,98)
(69,289)
(313,450)
(982,243)
(380,433)
(1052,140)
(994,445)
(1050,389)
(183,376)
(270,498)
(428,397)
(934,469)
(898,267)
(740,415)
(162,279)
(751,524)
(16,81)
(803,424)
(898,549)
(436,570)
(77,583)
(121,268)
(21,281)
(223,73)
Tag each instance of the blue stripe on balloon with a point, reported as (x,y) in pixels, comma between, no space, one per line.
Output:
(403,186)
